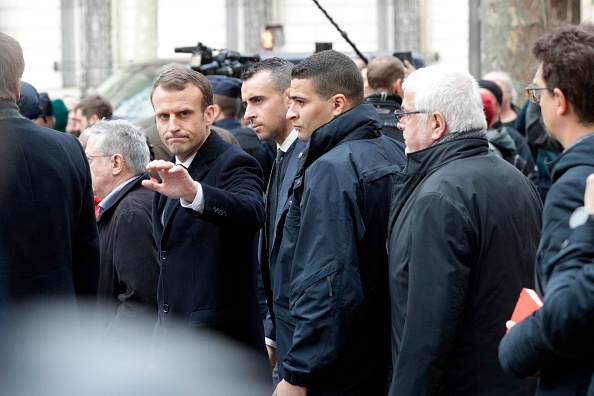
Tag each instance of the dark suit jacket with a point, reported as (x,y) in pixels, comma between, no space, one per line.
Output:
(288,168)
(208,260)
(48,231)
(129,258)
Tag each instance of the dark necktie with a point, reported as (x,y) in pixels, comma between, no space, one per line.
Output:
(273,191)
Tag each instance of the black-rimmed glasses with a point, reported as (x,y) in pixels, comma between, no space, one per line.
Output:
(533,94)
(399,114)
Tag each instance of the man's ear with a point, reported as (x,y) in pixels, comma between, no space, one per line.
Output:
(287,98)
(18,90)
(396,87)
(93,119)
(117,164)
(211,113)
(563,105)
(438,126)
(216,112)
(340,103)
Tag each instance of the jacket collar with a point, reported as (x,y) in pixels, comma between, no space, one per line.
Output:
(360,122)
(579,153)
(9,109)
(441,153)
(120,194)
(384,97)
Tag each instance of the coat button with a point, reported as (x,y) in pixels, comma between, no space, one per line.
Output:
(164,255)
(165,308)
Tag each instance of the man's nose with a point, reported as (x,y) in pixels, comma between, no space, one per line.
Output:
(248,113)
(291,113)
(173,124)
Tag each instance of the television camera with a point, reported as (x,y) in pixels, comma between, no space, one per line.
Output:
(209,61)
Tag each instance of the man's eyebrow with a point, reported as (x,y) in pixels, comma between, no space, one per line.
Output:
(255,97)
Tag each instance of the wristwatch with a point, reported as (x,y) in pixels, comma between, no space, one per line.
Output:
(579,217)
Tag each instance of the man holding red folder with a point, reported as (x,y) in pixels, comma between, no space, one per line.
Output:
(563,87)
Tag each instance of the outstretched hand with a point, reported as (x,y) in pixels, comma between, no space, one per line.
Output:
(176,182)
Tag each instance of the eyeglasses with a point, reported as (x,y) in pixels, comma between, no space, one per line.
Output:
(399,114)
(90,157)
(533,93)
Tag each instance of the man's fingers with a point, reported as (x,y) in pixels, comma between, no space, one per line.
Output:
(159,165)
(151,185)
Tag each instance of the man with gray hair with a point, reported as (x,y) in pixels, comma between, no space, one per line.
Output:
(463,231)
(509,111)
(118,155)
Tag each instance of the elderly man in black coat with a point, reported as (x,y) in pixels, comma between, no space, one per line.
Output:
(464,228)
(118,155)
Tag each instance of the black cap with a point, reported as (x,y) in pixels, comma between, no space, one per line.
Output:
(494,88)
(46,104)
(29,102)
(226,86)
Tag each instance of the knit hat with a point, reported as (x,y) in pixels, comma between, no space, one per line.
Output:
(61,114)
(489,108)
(494,88)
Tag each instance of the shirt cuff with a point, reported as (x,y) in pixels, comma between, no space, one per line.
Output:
(270,342)
(198,203)
(294,379)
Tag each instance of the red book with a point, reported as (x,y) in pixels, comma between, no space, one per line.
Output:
(528,302)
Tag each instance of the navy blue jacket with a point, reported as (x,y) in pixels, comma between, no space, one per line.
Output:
(48,233)
(526,349)
(556,340)
(568,173)
(330,277)
(288,169)
(209,260)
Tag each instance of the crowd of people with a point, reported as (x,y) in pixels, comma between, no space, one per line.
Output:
(362,232)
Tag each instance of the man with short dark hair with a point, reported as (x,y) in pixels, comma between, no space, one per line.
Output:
(206,217)
(118,156)
(562,86)
(48,237)
(330,277)
(265,92)
(226,103)
(91,109)
(384,76)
